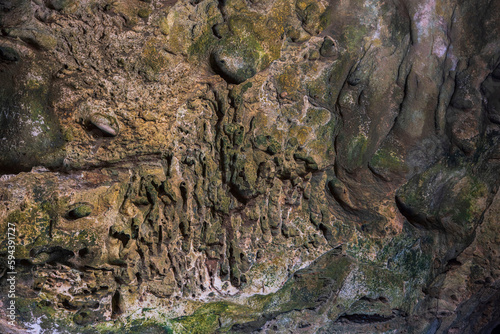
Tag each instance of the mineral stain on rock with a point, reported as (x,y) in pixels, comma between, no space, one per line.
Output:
(30,132)
(300,166)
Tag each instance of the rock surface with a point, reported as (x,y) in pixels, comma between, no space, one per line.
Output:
(286,166)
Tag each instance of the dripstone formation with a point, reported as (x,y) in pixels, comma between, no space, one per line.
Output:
(262,166)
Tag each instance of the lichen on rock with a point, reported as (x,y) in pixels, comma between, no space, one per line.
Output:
(250,166)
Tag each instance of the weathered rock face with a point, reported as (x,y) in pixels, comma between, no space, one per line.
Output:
(268,166)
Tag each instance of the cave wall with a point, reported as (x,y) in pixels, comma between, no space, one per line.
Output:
(203,166)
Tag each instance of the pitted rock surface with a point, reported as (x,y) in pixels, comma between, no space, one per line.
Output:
(271,166)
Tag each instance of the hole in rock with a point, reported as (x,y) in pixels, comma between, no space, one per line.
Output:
(139,278)
(115,305)
(25,263)
(83,252)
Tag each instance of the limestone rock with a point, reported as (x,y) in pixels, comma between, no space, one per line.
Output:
(301,166)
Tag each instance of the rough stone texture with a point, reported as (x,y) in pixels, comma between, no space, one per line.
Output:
(287,166)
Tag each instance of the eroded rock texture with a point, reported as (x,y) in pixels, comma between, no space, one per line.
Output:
(268,166)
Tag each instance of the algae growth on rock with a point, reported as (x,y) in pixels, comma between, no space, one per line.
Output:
(271,166)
